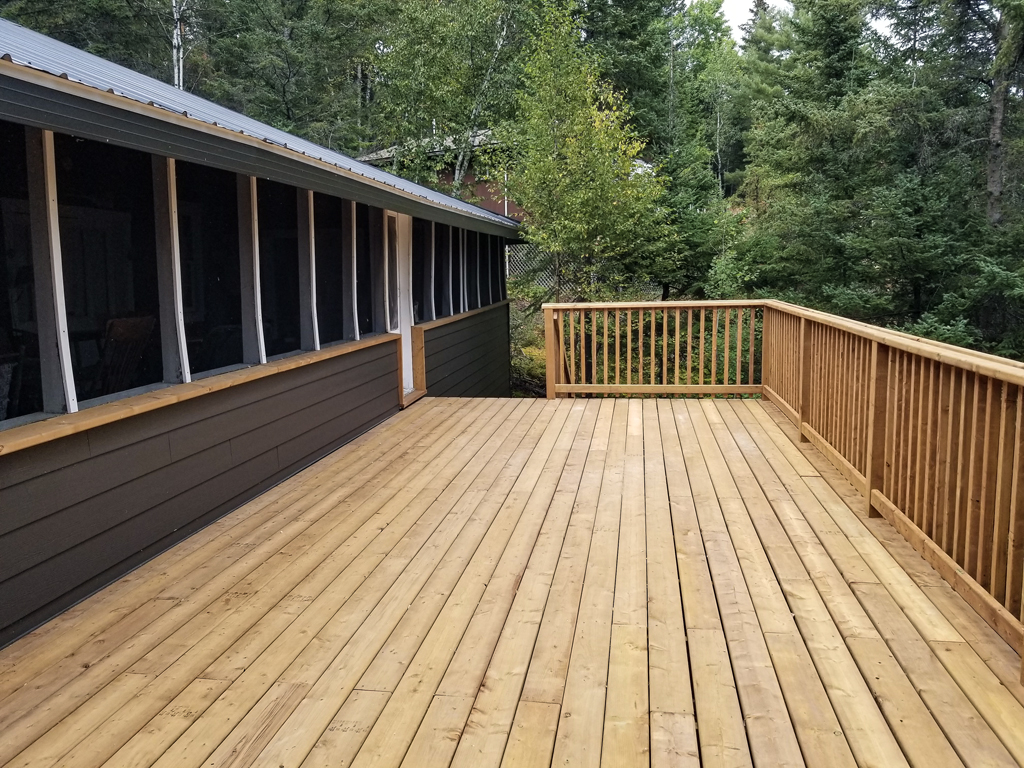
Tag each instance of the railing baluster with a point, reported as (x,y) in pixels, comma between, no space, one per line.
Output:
(878,397)
(990,448)
(964,461)
(703,336)
(629,348)
(725,349)
(714,346)
(929,492)
(739,346)
(652,355)
(618,341)
(1000,512)
(689,345)
(572,346)
(1015,543)
(583,346)
(640,347)
(604,326)
(677,350)
(750,356)
(664,346)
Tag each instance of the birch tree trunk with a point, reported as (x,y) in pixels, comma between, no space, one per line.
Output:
(1008,54)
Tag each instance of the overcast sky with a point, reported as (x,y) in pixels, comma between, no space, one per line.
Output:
(738,12)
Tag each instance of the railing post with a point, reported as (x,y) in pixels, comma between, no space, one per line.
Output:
(878,402)
(805,377)
(553,362)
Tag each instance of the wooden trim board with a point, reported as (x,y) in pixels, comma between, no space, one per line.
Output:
(36,433)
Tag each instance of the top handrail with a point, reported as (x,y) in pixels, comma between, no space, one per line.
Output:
(563,306)
(961,357)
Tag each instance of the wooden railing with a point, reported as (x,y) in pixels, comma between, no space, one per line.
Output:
(653,348)
(932,435)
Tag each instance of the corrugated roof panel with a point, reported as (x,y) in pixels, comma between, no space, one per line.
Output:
(30,49)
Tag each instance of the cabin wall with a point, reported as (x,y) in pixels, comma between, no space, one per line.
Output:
(78,512)
(469,357)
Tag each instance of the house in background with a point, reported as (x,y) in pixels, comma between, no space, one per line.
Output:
(484,193)
(193,306)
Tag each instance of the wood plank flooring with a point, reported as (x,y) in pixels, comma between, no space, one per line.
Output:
(494,583)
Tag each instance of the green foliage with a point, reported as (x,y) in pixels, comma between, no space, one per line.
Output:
(445,73)
(574,165)
(630,42)
(134,34)
(296,65)
(865,158)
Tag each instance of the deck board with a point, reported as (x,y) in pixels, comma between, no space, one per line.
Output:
(486,582)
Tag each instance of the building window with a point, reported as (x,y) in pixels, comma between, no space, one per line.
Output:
(472,271)
(210,270)
(442,270)
(108,244)
(502,268)
(21,389)
(278,214)
(422,244)
(458,262)
(496,268)
(364,270)
(391,248)
(332,303)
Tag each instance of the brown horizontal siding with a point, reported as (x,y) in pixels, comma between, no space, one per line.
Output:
(74,517)
(470,357)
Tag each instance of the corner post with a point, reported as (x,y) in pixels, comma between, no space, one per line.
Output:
(805,376)
(878,399)
(551,347)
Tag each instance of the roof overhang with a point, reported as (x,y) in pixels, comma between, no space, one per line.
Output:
(40,98)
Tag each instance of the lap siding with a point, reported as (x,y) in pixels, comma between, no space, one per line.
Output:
(125,492)
(469,358)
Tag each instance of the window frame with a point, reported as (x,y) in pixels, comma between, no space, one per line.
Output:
(446,262)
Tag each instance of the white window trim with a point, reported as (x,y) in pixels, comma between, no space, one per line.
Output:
(58,378)
(174,347)
(254,350)
(309,330)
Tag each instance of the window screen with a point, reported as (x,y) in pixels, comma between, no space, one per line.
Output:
(472,271)
(422,270)
(458,261)
(392,274)
(497,267)
(21,390)
(108,244)
(331,281)
(442,270)
(278,211)
(364,270)
(210,271)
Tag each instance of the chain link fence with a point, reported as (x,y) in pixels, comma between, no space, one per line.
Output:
(526,262)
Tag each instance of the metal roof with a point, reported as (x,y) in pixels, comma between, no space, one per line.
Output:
(26,48)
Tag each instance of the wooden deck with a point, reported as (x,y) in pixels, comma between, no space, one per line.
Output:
(529,583)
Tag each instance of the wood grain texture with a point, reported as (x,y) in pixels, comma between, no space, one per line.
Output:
(497,582)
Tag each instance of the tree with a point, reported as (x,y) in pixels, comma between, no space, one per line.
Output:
(574,166)
(703,149)
(138,34)
(630,42)
(300,65)
(446,74)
